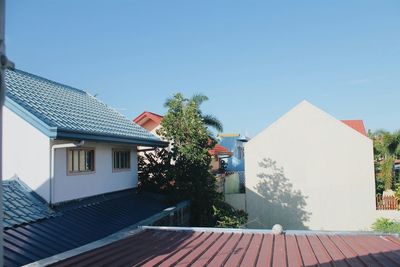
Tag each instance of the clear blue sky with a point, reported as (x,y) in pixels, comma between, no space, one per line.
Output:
(254,59)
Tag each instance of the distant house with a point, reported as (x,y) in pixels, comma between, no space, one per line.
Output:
(152,122)
(309,170)
(235,144)
(64,143)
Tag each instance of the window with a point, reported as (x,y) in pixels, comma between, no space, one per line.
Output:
(80,160)
(121,159)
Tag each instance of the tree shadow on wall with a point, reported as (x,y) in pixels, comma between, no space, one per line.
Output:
(280,203)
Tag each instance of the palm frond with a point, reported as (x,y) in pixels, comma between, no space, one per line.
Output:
(198,99)
(213,122)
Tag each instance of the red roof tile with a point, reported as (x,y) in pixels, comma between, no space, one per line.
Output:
(357,125)
(219,150)
(228,247)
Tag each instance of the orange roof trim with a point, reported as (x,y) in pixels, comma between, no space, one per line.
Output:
(148,115)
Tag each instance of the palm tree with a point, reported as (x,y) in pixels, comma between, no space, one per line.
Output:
(386,150)
(198,99)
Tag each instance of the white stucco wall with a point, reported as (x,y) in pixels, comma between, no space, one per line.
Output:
(25,153)
(318,174)
(103,180)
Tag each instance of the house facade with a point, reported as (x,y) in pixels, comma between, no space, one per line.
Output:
(309,170)
(64,143)
(235,144)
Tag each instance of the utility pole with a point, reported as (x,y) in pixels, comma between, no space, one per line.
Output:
(4,63)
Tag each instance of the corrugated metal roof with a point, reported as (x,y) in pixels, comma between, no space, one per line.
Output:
(22,205)
(77,223)
(69,110)
(162,247)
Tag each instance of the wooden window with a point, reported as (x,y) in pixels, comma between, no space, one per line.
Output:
(121,159)
(80,160)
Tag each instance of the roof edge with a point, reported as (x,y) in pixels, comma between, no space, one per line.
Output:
(151,115)
(62,134)
(266,231)
(26,115)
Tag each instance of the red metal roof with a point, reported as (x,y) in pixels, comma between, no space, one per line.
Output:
(163,247)
(357,125)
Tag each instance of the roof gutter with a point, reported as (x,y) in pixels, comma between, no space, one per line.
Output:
(52,163)
(63,134)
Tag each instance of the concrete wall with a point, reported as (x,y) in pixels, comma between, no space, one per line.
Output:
(26,153)
(103,180)
(309,170)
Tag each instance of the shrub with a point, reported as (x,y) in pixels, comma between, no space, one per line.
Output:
(386,226)
(228,217)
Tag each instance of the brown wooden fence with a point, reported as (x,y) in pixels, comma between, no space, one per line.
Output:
(387,202)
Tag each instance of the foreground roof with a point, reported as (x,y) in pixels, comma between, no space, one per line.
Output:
(164,246)
(61,111)
(75,224)
(357,125)
(22,205)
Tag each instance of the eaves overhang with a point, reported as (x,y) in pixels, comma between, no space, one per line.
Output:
(57,133)
(47,130)
(65,134)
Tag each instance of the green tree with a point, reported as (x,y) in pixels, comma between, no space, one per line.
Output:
(386,151)
(198,99)
(183,170)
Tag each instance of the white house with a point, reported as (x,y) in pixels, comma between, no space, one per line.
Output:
(309,170)
(64,143)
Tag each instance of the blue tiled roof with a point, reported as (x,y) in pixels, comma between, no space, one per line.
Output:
(75,224)
(21,205)
(66,112)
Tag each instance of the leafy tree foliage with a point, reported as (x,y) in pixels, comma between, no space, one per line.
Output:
(228,217)
(386,151)
(386,226)
(182,171)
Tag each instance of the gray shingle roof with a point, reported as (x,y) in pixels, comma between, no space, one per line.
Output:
(22,205)
(71,112)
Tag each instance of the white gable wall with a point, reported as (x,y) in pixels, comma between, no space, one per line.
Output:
(103,180)
(26,153)
(329,163)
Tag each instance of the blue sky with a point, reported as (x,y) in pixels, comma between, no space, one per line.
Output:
(254,59)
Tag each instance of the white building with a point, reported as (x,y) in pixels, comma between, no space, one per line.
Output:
(64,143)
(309,170)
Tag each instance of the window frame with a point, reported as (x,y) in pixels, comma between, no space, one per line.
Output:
(129,160)
(75,173)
